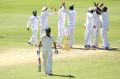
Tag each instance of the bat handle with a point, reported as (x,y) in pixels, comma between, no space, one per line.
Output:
(39,65)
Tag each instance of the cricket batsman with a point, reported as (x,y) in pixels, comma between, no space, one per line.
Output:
(44,18)
(61,24)
(33,22)
(47,52)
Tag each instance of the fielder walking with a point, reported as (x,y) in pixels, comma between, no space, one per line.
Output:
(47,52)
(33,22)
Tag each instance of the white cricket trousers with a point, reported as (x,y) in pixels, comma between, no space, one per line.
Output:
(33,38)
(70,32)
(61,33)
(47,60)
(94,37)
(88,33)
(104,36)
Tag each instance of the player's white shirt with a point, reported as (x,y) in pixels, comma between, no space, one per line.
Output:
(47,42)
(33,22)
(89,20)
(44,18)
(96,19)
(72,17)
(62,16)
(104,19)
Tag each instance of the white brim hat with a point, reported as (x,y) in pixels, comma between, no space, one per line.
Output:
(44,8)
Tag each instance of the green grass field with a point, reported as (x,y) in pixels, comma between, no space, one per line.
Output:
(13,34)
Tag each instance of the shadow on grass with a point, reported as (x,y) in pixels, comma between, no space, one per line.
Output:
(69,76)
(110,49)
(2,37)
(83,48)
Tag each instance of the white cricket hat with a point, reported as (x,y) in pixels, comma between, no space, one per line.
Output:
(44,8)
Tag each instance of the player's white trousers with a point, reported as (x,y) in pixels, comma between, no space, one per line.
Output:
(88,33)
(33,38)
(47,60)
(70,32)
(94,37)
(61,33)
(104,36)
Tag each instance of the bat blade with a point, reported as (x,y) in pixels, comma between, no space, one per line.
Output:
(39,65)
(39,61)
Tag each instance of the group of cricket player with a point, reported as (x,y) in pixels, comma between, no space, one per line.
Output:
(96,19)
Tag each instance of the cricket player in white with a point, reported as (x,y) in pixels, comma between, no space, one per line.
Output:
(89,27)
(47,52)
(105,24)
(61,24)
(33,22)
(71,24)
(96,24)
(44,19)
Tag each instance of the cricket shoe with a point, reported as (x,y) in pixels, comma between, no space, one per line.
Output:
(87,46)
(49,74)
(106,48)
(94,46)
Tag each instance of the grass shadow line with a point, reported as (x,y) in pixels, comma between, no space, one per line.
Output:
(69,76)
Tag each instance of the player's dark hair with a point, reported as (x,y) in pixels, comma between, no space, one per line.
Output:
(34,13)
(48,30)
(104,9)
(71,7)
(91,11)
(98,12)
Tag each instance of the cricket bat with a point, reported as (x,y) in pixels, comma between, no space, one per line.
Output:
(39,60)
